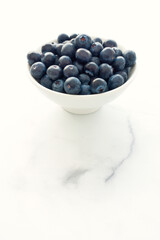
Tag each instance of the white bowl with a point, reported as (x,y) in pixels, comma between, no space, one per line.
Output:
(84,104)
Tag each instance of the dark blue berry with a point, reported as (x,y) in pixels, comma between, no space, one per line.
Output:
(64,61)
(73,36)
(72,85)
(123,74)
(70,71)
(38,70)
(68,49)
(91,69)
(49,48)
(99,85)
(96,60)
(58,48)
(58,85)
(119,63)
(84,78)
(79,66)
(62,37)
(118,51)
(33,57)
(48,58)
(105,71)
(109,43)
(130,58)
(96,48)
(97,40)
(46,82)
(115,81)
(85,89)
(83,41)
(83,55)
(107,55)
(54,72)
(56,60)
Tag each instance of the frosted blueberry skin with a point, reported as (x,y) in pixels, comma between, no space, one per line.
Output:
(58,85)
(46,82)
(64,61)
(115,81)
(38,70)
(96,60)
(130,58)
(91,69)
(83,55)
(72,85)
(79,66)
(62,37)
(83,41)
(54,72)
(109,43)
(99,85)
(124,75)
(97,40)
(85,89)
(84,78)
(48,59)
(33,57)
(119,63)
(105,71)
(70,71)
(73,36)
(49,47)
(58,49)
(96,48)
(107,55)
(68,49)
(118,51)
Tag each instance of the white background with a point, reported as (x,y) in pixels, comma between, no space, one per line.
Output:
(29,211)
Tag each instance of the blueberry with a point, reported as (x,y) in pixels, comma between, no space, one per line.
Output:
(83,41)
(84,78)
(73,36)
(58,48)
(54,72)
(62,37)
(99,85)
(56,60)
(96,48)
(46,82)
(96,60)
(70,71)
(91,69)
(73,41)
(48,58)
(118,51)
(115,81)
(49,48)
(109,43)
(72,85)
(64,61)
(38,70)
(79,66)
(58,85)
(119,63)
(130,58)
(105,71)
(85,89)
(33,57)
(97,40)
(68,49)
(107,55)
(83,55)
(123,74)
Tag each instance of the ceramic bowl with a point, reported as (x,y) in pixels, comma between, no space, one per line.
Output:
(84,104)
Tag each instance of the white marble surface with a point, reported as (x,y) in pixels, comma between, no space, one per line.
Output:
(92,177)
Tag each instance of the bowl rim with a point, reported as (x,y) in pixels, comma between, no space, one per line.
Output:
(130,79)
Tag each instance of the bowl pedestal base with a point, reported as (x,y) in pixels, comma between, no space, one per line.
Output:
(81,110)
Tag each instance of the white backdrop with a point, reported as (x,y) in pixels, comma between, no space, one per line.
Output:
(132,211)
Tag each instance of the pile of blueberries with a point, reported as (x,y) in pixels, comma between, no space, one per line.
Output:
(78,64)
